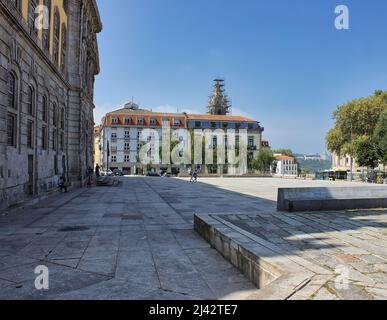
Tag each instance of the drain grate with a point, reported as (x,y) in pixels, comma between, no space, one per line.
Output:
(73,228)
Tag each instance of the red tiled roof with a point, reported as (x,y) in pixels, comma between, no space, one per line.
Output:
(211,117)
(282,157)
(142,112)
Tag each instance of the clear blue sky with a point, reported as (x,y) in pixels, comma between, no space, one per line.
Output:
(284,62)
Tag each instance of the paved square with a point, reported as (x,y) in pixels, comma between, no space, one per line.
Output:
(136,241)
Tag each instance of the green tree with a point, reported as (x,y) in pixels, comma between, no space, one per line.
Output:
(335,141)
(380,137)
(366,152)
(354,120)
(263,160)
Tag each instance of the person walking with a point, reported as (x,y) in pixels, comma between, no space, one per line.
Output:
(195,175)
(62,184)
(97,170)
(90,177)
(190,173)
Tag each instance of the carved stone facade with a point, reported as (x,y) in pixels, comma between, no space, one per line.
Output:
(46,96)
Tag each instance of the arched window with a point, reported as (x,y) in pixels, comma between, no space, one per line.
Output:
(55,115)
(55,130)
(11,91)
(66,6)
(17,4)
(31,16)
(45,120)
(56,34)
(44,109)
(12,116)
(62,119)
(30,101)
(46,32)
(64,47)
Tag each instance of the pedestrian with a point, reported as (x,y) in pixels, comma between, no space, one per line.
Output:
(195,175)
(62,184)
(90,177)
(191,174)
(97,170)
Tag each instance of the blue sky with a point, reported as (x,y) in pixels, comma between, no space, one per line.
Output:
(284,62)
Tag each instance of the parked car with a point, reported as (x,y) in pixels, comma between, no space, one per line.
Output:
(106,173)
(153,174)
(117,173)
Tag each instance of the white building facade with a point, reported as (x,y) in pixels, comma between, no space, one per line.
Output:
(285,166)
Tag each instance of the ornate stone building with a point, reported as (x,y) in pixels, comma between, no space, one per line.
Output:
(46,95)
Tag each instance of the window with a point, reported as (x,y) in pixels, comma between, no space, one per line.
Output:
(30,101)
(198,124)
(61,142)
(55,115)
(225,125)
(115,120)
(114,135)
(56,35)
(127,134)
(166,121)
(44,137)
(177,122)
(11,91)
(127,121)
(44,109)
(64,48)
(54,139)
(153,121)
(251,141)
(31,16)
(65,5)
(46,32)
(114,158)
(140,121)
(213,124)
(30,134)
(127,147)
(11,130)
(16,3)
(62,119)
(56,171)
(127,158)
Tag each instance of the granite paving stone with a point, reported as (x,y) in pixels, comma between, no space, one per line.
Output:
(136,241)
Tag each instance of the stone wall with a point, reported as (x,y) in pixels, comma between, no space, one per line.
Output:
(22,54)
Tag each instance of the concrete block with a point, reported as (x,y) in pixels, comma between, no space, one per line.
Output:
(331,199)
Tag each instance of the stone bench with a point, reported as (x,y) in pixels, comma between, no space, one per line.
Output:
(330,198)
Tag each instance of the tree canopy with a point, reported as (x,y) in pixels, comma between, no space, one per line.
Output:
(360,126)
(263,160)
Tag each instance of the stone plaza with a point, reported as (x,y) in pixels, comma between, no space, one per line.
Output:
(136,240)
